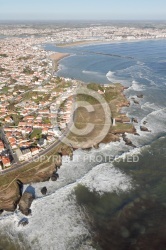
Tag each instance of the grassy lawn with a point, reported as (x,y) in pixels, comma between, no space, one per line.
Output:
(36,133)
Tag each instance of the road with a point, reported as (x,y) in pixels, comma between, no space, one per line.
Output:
(43,153)
(8,146)
(17,164)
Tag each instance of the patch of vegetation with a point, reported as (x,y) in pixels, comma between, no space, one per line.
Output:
(95,87)
(44,98)
(12,80)
(35,79)
(2,69)
(5,90)
(28,71)
(24,58)
(122,127)
(16,118)
(37,132)
(3,55)
(20,87)
(111,94)
(44,64)
(87,98)
(46,120)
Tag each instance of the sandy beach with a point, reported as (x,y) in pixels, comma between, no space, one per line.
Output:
(56,57)
(63,45)
(95,42)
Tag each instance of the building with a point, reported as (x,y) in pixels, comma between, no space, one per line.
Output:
(26,153)
(19,155)
(34,151)
(1,146)
(6,161)
(42,142)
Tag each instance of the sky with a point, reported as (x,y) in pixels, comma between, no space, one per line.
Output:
(82,9)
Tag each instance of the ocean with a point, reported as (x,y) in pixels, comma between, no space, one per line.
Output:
(98,203)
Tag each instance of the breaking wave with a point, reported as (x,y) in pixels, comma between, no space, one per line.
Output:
(57,221)
(136,86)
(105,178)
(111,76)
(89,72)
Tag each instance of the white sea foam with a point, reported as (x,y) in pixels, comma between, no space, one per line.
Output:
(57,221)
(136,86)
(110,73)
(115,77)
(140,63)
(90,72)
(157,120)
(105,178)
(132,152)
(148,105)
(111,76)
(60,68)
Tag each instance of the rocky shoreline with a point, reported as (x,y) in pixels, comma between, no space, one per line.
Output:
(12,196)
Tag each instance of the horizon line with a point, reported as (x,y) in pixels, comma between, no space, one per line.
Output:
(73,20)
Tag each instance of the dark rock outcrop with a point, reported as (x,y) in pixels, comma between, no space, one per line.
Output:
(143,128)
(1,211)
(10,196)
(125,119)
(20,184)
(134,120)
(96,146)
(71,156)
(125,103)
(23,222)
(25,202)
(127,141)
(54,176)
(140,96)
(125,88)
(145,122)
(136,102)
(58,160)
(44,191)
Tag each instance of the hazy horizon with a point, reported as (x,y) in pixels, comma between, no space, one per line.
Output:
(100,21)
(82,10)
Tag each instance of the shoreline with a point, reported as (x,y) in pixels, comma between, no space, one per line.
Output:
(96,42)
(56,57)
(11,192)
(35,176)
(91,175)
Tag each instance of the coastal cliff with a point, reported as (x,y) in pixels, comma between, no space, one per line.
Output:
(117,122)
(11,194)
(42,171)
